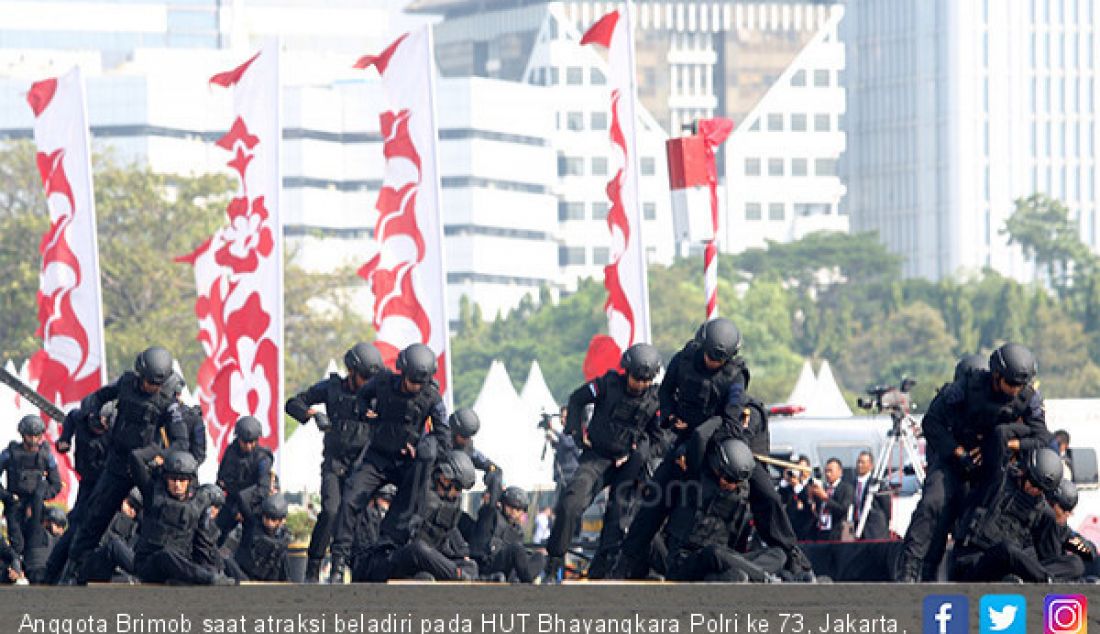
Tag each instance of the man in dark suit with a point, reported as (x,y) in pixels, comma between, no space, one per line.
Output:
(834,499)
(796,500)
(878,524)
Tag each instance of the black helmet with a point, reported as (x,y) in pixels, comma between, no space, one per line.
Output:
(1015,363)
(180,463)
(514,497)
(154,365)
(364,360)
(31,425)
(457,467)
(1044,469)
(464,422)
(213,493)
(57,516)
(969,362)
(416,363)
(641,361)
(732,459)
(274,506)
(721,339)
(136,499)
(386,492)
(248,429)
(1065,495)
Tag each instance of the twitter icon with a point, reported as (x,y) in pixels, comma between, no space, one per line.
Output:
(1003,614)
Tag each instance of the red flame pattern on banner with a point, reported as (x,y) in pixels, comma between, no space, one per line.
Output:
(393,289)
(57,317)
(240,357)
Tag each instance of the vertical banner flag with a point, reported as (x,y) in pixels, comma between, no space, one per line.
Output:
(407,275)
(70,307)
(625,276)
(239,270)
(714,132)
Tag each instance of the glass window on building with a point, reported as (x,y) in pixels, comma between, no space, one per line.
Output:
(821,77)
(752,211)
(574,121)
(574,76)
(552,76)
(649,211)
(599,166)
(825,167)
(775,167)
(798,78)
(570,211)
(598,121)
(570,165)
(599,210)
(775,122)
(821,123)
(799,167)
(601,255)
(648,166)
(596,77)
(798,123)
(755,127)
(777,211)
(570,256)
(752,167)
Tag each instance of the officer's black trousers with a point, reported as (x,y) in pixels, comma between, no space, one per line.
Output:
(939,506)
(15,514)
(371,474)
(417,557)
(101,564)
(515,561)
(167,565)
(110,490)
(720,563)
(594,473)
(995,563)
(1066,567)
(331,485)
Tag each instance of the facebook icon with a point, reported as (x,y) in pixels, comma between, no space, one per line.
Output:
(946,614)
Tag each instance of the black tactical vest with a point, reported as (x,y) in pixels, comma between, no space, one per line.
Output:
(27,469)
(1009,518)
(196,432)
(721,515)
(401,416)
(620,418)
(438,522)
(238,469)
(349,434)
(262,556)
(700,393)
(122,527)
(138,415)
(168,523)
(91,452)
(504,532)
(985,409)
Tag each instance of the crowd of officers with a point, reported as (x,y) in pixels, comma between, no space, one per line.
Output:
(688,498)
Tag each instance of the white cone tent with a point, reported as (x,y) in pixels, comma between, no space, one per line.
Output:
(535,395)
(508,434)
(302,460)
(829,400)
(805,387)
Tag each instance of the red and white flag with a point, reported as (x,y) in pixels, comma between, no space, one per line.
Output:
(407,275)
(239,270)
(71,363)
(625,276)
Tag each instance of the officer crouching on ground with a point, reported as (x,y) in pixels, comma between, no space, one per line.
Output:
(32,478)
(995,537)
(44,531)
(114,558)
(1062,550)
(497,540)
(244,464)
(262,554)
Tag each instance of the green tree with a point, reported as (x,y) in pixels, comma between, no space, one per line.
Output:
(1041,226)
(1062,350)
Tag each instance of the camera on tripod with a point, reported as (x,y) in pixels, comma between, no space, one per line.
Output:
(888,398)
(544,420)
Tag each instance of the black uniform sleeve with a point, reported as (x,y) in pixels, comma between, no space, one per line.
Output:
(366,394)
(68,426)
(1035,419)
(734,402)
(298,405)
(175,429)
(667,392)
(936,424)
(440,428)
(90,404)
(582,396)
(5,458)
(1049,537)
(53,477)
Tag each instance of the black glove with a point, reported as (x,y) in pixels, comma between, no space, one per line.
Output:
(1081,547)
(62,446)
(967,464)
(322,421)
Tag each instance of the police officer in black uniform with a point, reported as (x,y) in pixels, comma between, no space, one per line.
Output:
(624,421)
(245,463)
(32,478)
(170,522)
(971,426)
(408,422)
(369,530)
(712,517)
(496,542)
(192,419)
(262,554)
(346,433)
(1062,550)
(115,556)
(997,539)
(144,412)
(42,535)
(430,544)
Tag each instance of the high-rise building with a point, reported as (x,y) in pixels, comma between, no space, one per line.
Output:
(955,110)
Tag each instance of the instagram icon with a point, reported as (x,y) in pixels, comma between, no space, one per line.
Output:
(1065,614)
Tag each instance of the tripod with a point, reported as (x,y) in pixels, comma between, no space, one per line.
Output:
(900,438)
